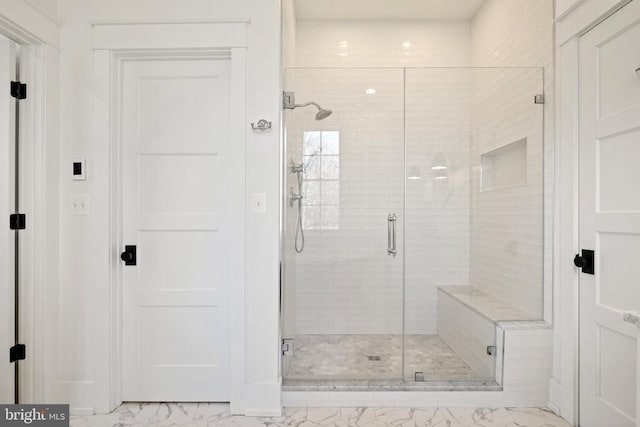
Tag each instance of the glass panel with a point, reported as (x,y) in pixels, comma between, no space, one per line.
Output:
(474,216)
(311,167)
(457,156)
(343,293)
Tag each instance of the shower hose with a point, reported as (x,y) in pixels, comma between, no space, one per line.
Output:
(299,242)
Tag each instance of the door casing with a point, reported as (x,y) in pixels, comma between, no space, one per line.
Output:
(108,68)
(39,134)
(571,25)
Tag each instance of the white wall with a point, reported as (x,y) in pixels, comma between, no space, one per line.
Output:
(345,281)
(565,6)
(83,378)
(507,226)
(49,8)
(380,44)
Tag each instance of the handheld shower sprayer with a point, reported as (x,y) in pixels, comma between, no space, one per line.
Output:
(298,170)
(289,103)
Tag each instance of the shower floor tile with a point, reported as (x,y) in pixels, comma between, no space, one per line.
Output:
(375,357)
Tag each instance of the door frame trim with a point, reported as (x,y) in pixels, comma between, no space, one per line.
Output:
(38,39)
(140,42)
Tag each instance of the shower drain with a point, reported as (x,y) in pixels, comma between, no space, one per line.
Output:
(374,358)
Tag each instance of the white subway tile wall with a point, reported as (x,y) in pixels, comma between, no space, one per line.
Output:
(455,235)
(346,282)
(507,227)
(468,333)
(437,204)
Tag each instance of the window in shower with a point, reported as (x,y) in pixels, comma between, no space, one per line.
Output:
(321,187)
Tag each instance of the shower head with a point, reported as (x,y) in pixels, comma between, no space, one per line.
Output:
(323,113)
(290,104)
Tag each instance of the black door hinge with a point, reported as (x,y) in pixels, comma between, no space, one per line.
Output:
(17,221)
(17,352)
(19,90)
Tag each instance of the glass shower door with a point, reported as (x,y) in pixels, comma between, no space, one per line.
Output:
(474,216)
(343,292)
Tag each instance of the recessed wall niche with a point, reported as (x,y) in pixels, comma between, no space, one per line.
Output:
(505,167)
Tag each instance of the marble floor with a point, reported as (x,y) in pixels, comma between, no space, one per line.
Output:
(215,414)
(376,357)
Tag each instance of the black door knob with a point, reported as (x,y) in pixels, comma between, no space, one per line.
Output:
(579,262)
(585,261)
(129,255)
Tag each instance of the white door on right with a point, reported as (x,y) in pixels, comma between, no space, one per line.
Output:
(610,218)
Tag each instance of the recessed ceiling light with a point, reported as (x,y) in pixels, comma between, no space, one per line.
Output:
(370,91)
(407,44)
(343,44)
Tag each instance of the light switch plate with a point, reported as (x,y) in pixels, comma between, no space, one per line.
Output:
(80,204)
(258,203)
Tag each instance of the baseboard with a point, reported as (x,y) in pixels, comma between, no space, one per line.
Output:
(257,399)
(81,412)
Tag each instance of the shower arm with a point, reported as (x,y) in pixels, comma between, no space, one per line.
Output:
(306,104)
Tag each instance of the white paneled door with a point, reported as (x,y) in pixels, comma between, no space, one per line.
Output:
(176,212)
(609,218)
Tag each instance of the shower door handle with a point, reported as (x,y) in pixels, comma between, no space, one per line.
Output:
(391,235)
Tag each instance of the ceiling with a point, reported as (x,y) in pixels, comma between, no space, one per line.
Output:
(385,10)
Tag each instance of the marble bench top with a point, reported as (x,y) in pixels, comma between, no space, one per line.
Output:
(486,305)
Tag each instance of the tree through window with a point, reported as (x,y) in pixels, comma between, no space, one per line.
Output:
(321,188)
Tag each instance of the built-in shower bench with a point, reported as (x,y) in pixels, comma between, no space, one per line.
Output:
(495,339)
(486,305)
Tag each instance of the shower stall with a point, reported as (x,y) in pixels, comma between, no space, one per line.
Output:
(413,224)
